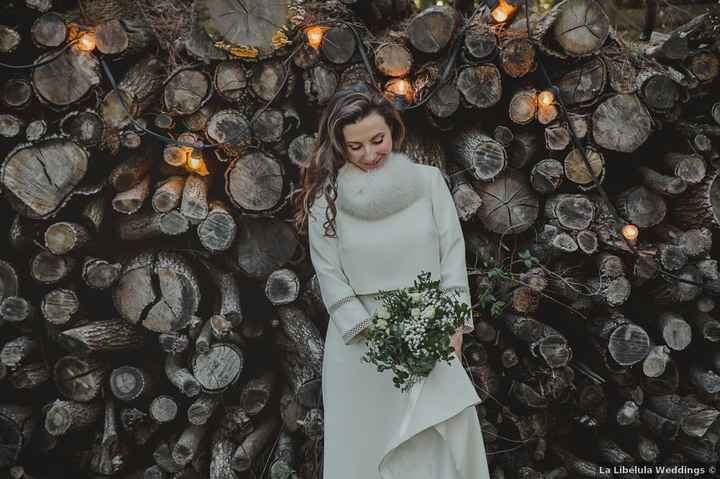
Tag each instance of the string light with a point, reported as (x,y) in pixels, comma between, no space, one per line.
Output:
(546,98)
(315,35)
(86,42)
(400,87)
(503,12)
(630,232)
(195,161)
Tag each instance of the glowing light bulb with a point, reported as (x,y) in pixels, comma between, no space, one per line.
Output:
(503,11)
(315,35)
(401,87)
(546,98)
(630,232)
(86,42)
(194,159)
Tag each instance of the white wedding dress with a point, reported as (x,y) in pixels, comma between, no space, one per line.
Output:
(391,224)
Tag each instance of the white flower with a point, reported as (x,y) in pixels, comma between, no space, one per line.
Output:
(415,312)
(382,313)
(429,312)
(382,324)
(415,297)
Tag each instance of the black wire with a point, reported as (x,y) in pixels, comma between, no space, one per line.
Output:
(44,62)
(162,138)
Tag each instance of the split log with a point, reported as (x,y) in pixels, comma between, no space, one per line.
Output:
(129,383)
(10,125)
(64,237)
(467,201)
(228,126)
(480,43)
(35,130)
(570,211)
(662,184)
(301,360)
(123,36)
(256,393)
(79,69)
(523,107)
(483,157)
(698,206)
(480,85)
(186,91)
(264,245)
(202,409)
(18,351)
(14,309)
(85,127)
(130,201)
(583,85)
(266,79)
(188,444)
(431,30)
(46,268)
(40,178)
(80,378)
(282,287)
(255,182)
(180,376)
(60,306)
(581,27)
(230,80)
(16,92)
(65,416)
(9,39)
(141,82)
(690,168)
(338,45)
(219,368)
(254,443)
(194,204)
(547,176)
(167,194)
(509,205)
(217,231)
(149,224)
(577,172)
(163,409)
(641,207)
(49,30)
(621,123)
(159,291)
(109,454)
(517,57)
(104,335)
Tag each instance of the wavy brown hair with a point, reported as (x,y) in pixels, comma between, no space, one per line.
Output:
(349,105)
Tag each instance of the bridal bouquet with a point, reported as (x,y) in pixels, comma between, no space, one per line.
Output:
(410,331)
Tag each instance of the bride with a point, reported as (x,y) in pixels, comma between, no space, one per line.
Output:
(375,220)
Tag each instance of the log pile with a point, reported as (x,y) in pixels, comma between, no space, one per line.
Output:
(159,316)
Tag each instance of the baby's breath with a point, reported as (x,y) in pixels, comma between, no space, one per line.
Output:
(411,330)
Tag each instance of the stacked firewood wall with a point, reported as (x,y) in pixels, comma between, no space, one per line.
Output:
(159,314)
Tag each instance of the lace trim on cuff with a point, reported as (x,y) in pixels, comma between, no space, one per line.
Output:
(348,335)
(334,307)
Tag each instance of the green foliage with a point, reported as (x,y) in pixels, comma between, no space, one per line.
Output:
(495,271)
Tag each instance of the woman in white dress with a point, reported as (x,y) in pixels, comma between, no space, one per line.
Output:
(375,220)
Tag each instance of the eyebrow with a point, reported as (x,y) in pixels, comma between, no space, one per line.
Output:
(357,142)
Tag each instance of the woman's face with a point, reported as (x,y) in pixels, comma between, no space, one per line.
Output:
(368,142)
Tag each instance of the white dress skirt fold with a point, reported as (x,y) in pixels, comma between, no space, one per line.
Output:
(375,431)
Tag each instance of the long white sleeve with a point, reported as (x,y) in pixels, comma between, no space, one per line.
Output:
(452,244)
(346,311)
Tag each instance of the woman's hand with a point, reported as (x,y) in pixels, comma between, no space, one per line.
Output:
(456,341)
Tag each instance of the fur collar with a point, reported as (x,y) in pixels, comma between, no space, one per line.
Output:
(379,193)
